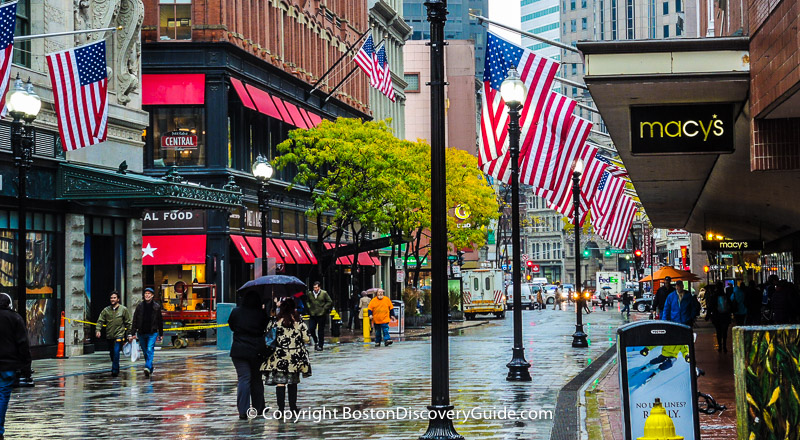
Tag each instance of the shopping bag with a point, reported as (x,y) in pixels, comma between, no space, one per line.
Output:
(126,349)
(135,352)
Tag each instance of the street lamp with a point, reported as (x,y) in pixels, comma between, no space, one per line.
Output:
(22,103)
(440,427)
(513,92)
(579,338)
(262,170)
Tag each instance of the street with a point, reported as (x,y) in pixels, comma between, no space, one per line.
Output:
(194,397)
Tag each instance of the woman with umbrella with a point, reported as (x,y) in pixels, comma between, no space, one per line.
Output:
(290,358)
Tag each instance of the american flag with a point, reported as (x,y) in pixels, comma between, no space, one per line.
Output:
(559,183)
(609,192)
(80,92)
(589,180)
(365,61)
(536,72)
(8,20)
(612,168)
(617,230)
(545,140)
(385,85)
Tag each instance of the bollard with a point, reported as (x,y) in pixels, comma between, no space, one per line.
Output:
(366,325)
(658,425)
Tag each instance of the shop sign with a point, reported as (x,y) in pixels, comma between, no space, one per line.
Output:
(252,219)
(174,220)
(677,233)
(179,140)
(699,128)
(733,245)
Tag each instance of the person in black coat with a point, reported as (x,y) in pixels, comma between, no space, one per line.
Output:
(14,353)
(248,323)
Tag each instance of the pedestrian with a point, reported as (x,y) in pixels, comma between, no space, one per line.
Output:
(680,306)
(603,299)
(626,303)
(752,302)
(739,303)
(319,306)
(363,304)
(661,296)
(15,354)
(720,309)
(355,299)
(557,298)
(248,323)
(585,301)
(289,361)
(539,299)
(116,318)
(381,312)
(148,328)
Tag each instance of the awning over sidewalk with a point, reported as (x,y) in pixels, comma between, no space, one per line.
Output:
(272,251)
(256,98)
(244,249)
(284,251)
(296,249)
(346,260)
(93,185)
(173,89)
(173,249)
(309,252)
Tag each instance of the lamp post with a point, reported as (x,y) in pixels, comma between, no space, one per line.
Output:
(440,427)
(22,104)
(262,170)
(579,337)
(513,92)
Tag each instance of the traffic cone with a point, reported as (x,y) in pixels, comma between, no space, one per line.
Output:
(60,353)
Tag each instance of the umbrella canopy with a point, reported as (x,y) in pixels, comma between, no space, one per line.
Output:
(372,291)
(273,286)
(674,274)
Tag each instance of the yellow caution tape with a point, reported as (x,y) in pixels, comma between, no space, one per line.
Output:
(82,322)
(198,327)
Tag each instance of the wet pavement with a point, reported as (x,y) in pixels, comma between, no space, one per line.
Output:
(192,392)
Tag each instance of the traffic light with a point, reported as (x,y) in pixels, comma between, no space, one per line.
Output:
(706,269)
(637,253)
(607,253)
(587,253)
(460,260)
(529,263)
(528,277)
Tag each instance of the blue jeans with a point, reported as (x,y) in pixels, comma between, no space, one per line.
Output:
(147,342)
(626,308)
(382,331)
(114,347)
(6,381)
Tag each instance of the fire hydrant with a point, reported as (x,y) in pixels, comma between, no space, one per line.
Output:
(658,425)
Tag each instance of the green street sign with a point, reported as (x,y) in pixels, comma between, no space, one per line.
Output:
(617,251)
(452,258)
(725,255)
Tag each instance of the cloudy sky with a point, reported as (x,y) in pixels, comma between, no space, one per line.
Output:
(506,12)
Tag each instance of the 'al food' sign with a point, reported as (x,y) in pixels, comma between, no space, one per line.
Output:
(701,128)
(183,140)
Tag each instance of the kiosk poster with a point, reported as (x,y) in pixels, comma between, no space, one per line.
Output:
(662,371)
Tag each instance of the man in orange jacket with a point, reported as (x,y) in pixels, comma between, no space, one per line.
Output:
(381,312)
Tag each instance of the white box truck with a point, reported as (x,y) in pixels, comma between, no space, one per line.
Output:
(483,293)
(610,283)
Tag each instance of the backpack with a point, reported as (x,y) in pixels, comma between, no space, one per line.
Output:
(723,305)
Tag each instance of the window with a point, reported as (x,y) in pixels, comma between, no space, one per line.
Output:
(175,19)
(22,49)
(584,23)
(572,5)
(476,286)
(488,282)
(574,92)
(666,8)
(678,6)
(630,22)
(574,69)
(678,30)
(573,26)
(583,4)
(666,31)
(413,82)
(173,122)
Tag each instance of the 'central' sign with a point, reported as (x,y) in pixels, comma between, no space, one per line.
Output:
(700,128)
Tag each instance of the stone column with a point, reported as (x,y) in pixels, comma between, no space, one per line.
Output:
(76,304)
(133,265)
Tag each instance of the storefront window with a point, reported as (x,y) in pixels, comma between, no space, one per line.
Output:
(289,222)
(313,231)
(276,222)
(179,136)
(175,19)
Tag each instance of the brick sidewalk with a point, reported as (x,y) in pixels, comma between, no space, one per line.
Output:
(604,416)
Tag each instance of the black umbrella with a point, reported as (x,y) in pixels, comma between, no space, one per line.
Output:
(273,285)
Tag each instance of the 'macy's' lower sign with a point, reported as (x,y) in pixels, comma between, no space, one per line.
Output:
(698,128)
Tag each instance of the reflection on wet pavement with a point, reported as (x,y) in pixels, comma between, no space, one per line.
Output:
(194,397)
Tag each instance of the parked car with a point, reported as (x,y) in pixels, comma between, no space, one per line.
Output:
(528,298)
(644,304)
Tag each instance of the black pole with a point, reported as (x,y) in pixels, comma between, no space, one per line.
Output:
(22,160)
(440,427)
(579,338)
(518,367)
(352,71)
(263,206)
(330,69)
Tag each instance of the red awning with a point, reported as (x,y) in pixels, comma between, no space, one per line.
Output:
(284,250)
(347,260)
(255,244)
(263,102)
(307,248)
(173,249)
(315,118)
(240,90)
(297,252)
(298,119)
(375,260)
(284,113)
(306,118)
(244,249)
(364,259)
(173,89)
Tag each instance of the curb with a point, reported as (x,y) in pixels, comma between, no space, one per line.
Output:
(567,424)
(601,372)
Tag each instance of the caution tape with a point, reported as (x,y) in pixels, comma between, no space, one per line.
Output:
(82,322)
(199,327)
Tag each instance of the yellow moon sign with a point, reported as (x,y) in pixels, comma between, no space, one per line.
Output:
(462,212)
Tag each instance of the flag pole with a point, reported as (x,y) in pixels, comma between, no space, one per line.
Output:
(330,69)
(352,71)
(527,34)
(58,34)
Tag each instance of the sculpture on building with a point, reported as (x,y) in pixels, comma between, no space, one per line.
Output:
(125,47)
